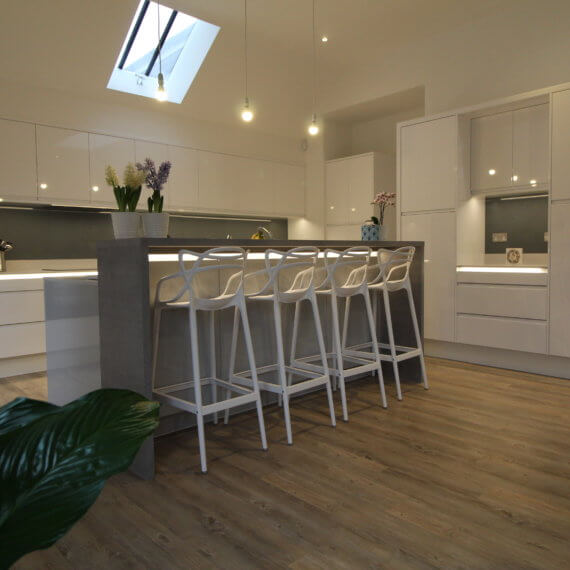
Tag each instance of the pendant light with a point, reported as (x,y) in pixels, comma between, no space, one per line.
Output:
(161,94)
(246,112)
(314,127)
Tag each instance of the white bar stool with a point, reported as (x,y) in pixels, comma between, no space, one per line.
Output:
(227,265)
(288,278)
(391,274)
(346,277)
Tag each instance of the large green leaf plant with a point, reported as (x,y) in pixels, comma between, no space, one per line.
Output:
(54,461)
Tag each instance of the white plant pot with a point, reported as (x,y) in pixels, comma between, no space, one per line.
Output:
(126,224)
(155,225)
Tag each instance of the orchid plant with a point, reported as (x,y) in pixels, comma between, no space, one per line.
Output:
(127,195)
(155,180)
(383,200)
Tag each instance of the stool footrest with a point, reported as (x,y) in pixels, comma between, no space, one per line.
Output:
(363,364)
(405,352)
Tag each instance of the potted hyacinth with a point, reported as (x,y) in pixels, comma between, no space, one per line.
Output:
(373,228)
(155,222)
(126,222)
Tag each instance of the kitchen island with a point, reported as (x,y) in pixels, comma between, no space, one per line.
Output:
(129,270)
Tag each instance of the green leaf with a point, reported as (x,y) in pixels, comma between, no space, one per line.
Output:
(134,197)
(150,204)
(54,462)
(119,192)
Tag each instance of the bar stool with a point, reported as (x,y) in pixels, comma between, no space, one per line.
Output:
(288,278)
(345,276)
(226,264)
(392,273)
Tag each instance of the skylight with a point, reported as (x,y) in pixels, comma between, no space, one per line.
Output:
(184,43)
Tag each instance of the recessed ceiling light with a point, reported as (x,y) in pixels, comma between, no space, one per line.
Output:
(95,188)
(492,172)
(43,185)
(324,39)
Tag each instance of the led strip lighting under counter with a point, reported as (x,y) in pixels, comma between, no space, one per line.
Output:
(46,274)
(495,269)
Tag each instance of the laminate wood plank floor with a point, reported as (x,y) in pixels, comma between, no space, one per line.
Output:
(473,473)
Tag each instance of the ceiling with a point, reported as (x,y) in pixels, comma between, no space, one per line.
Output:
(73,44)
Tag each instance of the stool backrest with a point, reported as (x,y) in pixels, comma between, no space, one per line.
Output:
(345,269)
(217,271)
(289,272)
(394,264)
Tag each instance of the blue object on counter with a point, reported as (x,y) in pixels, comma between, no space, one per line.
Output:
(371,232)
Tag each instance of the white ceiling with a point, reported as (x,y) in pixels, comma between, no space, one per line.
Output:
(73,45)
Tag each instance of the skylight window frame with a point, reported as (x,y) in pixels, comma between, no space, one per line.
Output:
(188,63)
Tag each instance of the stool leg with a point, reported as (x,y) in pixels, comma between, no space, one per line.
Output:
(325,364)
(281,365)
(418,337)
(339,359)
(213,387)
(374,340)
(253,368)
(294,337)
(233,348)
(155,339)
(386,297)
(345,322)
(197,388)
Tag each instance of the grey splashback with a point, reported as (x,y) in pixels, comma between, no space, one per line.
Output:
(65,233)
(524,221)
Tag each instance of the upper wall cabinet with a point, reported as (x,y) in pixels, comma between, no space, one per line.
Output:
(531,143)
(492,151)
(104,151)
(18,161)
(235,184)
(510,149)
(349,189)
(63,165)
(561,145)
(183,182)
(428,165)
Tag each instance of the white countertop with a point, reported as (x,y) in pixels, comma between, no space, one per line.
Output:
(41,268)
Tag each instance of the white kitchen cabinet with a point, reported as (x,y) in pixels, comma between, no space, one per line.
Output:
(18,161)
(286,186)
(104,151)
(183,183)
(63,165)
(492,151)
(428,163)
(337,188)
(437,230)
(560,280)
(235,184)
(531,146)
(350,185)
(561,146)
(496,332)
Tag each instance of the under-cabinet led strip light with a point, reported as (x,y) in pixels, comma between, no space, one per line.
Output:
(502,270)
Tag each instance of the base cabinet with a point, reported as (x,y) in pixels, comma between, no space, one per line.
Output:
(437,230)
(559,280)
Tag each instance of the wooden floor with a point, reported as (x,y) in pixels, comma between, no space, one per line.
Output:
(473,473)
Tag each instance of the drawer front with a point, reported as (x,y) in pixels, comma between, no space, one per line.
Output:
(503,301)
(21,340)
(21,307)
(492,278)
(496,332)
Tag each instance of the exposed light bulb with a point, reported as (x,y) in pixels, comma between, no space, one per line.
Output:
(313,127)
(492,172)
(43,185)
(246,112)
(324,39)
(515,178)
(95,188)
(161,94)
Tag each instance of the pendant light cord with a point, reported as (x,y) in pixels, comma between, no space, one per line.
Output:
(158,33)
(314,62)
(245,43)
